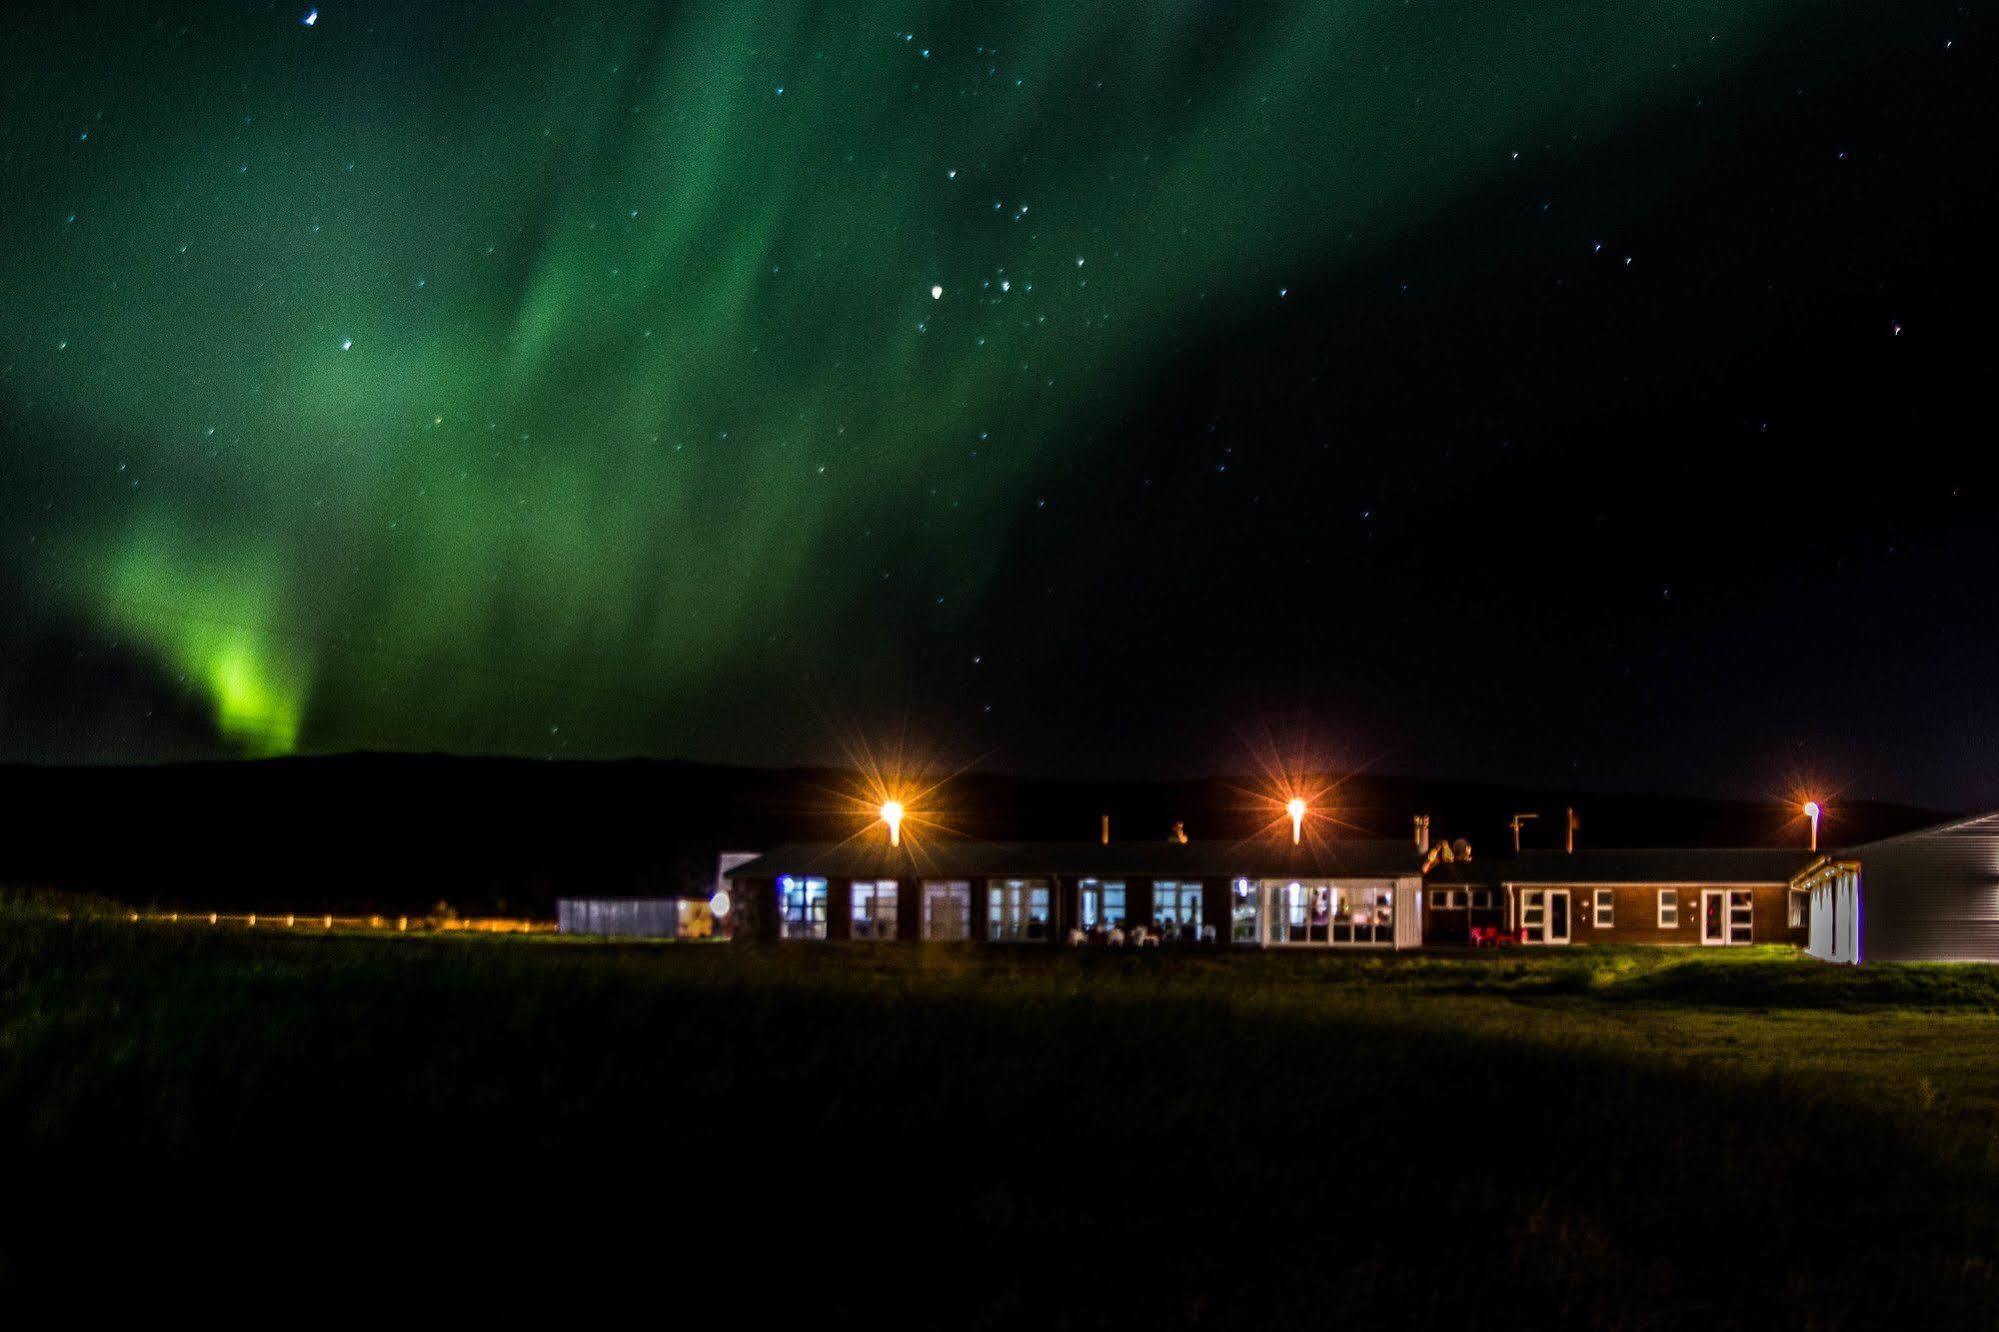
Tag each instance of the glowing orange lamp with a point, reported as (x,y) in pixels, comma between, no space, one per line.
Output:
(1296,809)
(891,812)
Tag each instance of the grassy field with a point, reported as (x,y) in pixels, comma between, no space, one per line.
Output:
(976,1138)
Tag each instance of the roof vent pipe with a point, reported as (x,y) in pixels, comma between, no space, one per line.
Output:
(1104,830)
(1423,834)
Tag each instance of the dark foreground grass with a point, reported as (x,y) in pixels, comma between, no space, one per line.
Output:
(971,1139)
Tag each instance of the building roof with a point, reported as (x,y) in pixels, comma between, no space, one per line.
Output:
(1945,828)
(1649,865)
(872,858)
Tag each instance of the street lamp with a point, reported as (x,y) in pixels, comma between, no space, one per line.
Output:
(891,812)
(1296,809)
(1812,813)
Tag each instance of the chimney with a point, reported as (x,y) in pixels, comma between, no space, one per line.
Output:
(1179,833)
(1104,830)
(1574,823)
(1423,834)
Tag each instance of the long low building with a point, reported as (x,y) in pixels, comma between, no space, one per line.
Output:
(1268,892)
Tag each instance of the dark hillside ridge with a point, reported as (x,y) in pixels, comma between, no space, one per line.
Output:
(396,833)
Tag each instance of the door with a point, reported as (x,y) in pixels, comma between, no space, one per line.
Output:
(1544,915)
(1714,916)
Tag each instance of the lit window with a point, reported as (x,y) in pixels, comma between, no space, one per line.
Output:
(1669,908)
(947,910)
(1799,904)
(801,908)
(1175,905)
(1017,909)
(874,909)
(1606,908)
(1245,912)
(1103,904)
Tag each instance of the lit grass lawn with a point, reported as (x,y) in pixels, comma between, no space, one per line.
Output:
(975,1137)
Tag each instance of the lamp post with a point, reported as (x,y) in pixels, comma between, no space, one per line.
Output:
(891,812)
(1812,813)
(1296,809)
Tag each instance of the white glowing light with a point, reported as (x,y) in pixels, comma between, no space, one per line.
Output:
(311,18)
(936,293)
(891,813)
(718,905)
(1296,809)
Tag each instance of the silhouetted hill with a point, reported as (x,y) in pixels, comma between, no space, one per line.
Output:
(394,833)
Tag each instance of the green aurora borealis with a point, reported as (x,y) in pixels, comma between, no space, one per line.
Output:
(454,378)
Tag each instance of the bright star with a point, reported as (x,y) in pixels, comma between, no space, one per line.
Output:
(311,18)
(936,293)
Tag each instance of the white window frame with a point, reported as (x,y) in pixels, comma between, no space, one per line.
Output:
(869,920)
(1603,908)
(1669,908)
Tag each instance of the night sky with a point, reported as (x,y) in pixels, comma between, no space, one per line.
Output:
(1577,392)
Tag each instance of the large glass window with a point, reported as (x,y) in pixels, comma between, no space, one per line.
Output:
(1102,903)
(947,909)
(1176,905)
(801,905)
(1606,908)
(1669,908)
(1331,913)
(1017,909)
(874,908)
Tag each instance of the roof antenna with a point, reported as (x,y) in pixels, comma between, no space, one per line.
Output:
(1104,830)
(1518,822)
(1574,823)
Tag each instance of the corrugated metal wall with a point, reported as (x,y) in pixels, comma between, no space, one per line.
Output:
(638,918)
(1932,896)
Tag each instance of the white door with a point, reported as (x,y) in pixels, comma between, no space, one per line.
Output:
(1544,915)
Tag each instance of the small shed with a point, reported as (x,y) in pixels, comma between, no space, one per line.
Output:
(1927,896)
